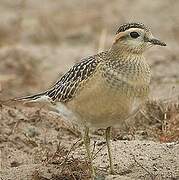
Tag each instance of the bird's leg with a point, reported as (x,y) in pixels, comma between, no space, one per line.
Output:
(108,136)
(88,152)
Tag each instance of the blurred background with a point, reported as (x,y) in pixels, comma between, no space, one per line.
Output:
(40,40)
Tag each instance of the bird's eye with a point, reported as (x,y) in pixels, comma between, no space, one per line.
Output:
(134,35)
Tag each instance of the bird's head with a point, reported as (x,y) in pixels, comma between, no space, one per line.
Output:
(135,38)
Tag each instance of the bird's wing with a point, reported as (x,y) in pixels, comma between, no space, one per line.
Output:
(65,88)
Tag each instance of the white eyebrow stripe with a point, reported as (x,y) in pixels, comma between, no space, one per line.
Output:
(134,29)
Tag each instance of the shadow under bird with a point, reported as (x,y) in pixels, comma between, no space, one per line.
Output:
(103,90)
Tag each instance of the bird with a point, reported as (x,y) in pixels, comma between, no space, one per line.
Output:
(102,90)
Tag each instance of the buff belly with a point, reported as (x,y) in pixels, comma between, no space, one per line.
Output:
(99,106)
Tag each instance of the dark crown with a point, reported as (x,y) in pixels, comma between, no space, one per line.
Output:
(127,26)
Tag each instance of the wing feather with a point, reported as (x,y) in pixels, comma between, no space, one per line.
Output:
(66,87)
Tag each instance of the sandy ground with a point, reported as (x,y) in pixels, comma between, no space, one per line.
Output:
(39,41)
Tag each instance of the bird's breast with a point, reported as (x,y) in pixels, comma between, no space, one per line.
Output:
(130,78)
(100,105)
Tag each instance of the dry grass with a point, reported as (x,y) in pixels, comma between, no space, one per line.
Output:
(160,120)
(68,166)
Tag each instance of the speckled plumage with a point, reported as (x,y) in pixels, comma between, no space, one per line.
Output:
(64,89)
(103,90)
(121,78)
(127,26)
(109,94)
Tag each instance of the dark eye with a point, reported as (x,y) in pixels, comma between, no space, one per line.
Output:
(134,34)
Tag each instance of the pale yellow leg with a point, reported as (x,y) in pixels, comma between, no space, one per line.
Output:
(108,136)
(88,152)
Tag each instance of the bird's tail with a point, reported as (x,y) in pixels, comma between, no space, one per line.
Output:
(33,98)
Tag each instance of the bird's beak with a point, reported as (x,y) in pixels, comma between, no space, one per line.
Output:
(155,41)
